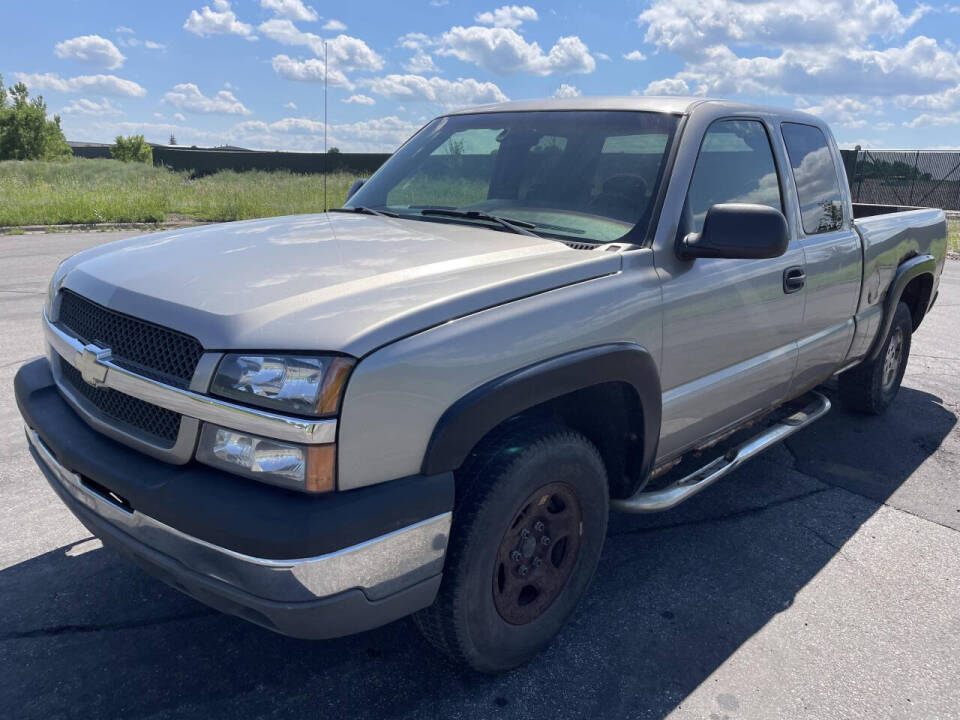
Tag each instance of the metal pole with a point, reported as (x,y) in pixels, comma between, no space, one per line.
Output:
(916,163)
(326,166)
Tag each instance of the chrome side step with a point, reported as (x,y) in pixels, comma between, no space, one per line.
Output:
(686,487)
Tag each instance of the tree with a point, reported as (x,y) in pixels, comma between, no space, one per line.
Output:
(173,140)
(334,150)
(132,148)
(25,132)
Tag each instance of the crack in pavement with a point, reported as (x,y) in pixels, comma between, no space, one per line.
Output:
(723,518)
(58,630)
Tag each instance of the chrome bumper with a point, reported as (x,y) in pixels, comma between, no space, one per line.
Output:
(380,567)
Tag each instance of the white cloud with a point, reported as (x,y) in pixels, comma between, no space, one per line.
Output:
(151,45)
(667,86)
(948,99)
(635,56)
(929,120)
(373,135)
(566,91)
(845,111)
(512,16)
(124,30)
(293,9)
(219,21)
(503,50)
(601,56)
(285,32)
(919,67)
(415,41)
(420,63)
(344,51)
(351,53)
(334,26)
(360,100)
(84,106)
(290,105)
(92,50)
(187,96)
(690,26)
(179,116)
(311,70)
(448,93)
(99,84)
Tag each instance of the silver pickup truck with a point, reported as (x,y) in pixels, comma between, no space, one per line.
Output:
(428,401)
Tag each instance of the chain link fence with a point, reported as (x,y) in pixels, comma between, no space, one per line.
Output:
(918,178)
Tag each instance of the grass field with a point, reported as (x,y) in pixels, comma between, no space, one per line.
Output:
(953,235)
(97,191)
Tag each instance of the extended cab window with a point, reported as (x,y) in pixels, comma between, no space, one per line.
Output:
(735,165)
(815,174)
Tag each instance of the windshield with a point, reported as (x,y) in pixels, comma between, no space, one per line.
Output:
(587,176)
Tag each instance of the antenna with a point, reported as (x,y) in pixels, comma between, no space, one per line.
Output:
(325,165)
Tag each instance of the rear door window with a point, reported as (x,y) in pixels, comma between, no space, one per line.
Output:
(815,173)
(735,165)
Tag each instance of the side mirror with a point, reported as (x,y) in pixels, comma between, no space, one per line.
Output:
(357,184)
(738,231)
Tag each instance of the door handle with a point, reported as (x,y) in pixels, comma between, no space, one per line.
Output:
(794,278)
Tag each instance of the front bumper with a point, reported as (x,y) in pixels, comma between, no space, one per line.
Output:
(292,563)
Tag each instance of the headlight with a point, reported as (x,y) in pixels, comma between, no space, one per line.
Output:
(301,384)
(52,287)
(309,468)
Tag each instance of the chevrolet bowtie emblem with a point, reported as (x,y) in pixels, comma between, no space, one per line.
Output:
(93,371)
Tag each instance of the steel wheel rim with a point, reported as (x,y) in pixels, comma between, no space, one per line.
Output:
(892,359)
(537,553)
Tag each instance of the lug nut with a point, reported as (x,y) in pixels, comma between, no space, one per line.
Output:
(538,526)
(524,533)
(515,556)
(523,570)
(545,540)
(536,562)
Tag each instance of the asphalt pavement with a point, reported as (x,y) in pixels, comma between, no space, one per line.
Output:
(820,580)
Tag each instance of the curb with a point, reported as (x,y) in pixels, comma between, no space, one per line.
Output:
(99,227)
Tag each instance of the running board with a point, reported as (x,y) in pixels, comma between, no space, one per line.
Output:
(686,487)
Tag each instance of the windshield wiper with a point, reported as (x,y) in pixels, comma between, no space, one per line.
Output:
(364,211)
(520,227)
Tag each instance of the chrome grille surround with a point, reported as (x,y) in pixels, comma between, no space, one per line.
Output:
(190,403)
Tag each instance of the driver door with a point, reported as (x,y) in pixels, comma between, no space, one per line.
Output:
(730,329)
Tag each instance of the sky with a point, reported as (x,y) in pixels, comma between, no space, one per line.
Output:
(884,74)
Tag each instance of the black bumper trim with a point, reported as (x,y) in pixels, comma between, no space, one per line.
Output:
(224,509)
(333,616)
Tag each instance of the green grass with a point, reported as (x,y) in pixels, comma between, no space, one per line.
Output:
(953,235)
(98,191)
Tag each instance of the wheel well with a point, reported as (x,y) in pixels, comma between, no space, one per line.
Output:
(609,415)
(917,297)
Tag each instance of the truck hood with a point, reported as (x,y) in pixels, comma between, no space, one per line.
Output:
(329,282)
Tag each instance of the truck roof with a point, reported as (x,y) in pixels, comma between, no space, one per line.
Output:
(650,103)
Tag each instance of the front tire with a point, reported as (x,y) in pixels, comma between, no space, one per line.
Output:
(529,526)
(871,387)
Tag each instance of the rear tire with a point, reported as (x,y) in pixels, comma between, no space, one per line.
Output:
(506,591)
(871,387)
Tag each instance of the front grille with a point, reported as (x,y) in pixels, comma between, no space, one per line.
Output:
(136,345)
(157,424)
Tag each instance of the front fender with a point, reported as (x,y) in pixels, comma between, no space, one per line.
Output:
(468,420)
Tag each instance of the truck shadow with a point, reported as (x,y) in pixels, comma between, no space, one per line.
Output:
(83,633)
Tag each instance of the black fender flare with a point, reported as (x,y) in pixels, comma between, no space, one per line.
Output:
(471,417)
(908,270)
